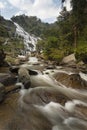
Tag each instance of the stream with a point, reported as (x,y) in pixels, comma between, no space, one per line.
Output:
(56,100)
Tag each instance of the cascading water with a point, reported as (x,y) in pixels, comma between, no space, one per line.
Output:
(33,60)
(42,112)
(29,41)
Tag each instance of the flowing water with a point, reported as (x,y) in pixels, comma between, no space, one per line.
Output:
(33,60)
(71,115)
(50,105)
(29,41)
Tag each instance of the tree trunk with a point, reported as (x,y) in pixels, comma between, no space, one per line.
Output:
(75,36)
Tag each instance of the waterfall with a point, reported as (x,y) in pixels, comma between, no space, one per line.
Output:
(30,41)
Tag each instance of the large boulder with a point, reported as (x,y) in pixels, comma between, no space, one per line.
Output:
(71,80)
(43,95)
(70,60)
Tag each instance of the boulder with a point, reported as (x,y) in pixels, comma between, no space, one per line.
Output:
(14,69)
(44,95)
(7,79)
(69,59)
(24,77)
(2,92)
(17,61)
(82,67)
(71,80)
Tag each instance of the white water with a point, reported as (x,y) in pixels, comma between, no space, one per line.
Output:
(33,60)
(29,41)
(46,80)
(62,117)
(83,76)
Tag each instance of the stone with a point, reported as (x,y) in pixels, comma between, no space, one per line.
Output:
(2,92)
(71,80)
(7,79)
(69,59)
(17,61)
(14,69)
(50,67)
(44,95)
(24,77)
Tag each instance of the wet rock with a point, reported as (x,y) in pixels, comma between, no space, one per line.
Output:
(24,77)
(2,92)
(82,109)
(82,67)
(7,79)
(14,69)
(50,67)
(8,109)
(44,95)
(32,72)
(29,119)
(17,61)
(70,80)
(12,89)
(33,67)
(83,77)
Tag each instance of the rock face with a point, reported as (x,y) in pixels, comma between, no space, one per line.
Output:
(2,57)
(2,92)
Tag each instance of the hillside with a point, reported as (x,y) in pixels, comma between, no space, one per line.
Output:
(7,27)
(31,24)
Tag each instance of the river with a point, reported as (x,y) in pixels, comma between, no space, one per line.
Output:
(57,100)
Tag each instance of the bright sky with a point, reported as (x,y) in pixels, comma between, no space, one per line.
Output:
(46,10)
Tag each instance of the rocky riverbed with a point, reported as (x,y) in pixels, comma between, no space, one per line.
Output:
(53,98)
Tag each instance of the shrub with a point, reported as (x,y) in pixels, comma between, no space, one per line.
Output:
(81,53)
(55,54)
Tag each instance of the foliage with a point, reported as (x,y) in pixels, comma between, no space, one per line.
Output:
(54,54)
(7,28)
(81,53)
(51,49)
(79,13)
(3,31)
(66,35)
(2,40)
(13,46)
(40,45)
(71,33)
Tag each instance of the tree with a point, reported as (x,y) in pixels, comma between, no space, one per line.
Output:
(79,17)
(79,14)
